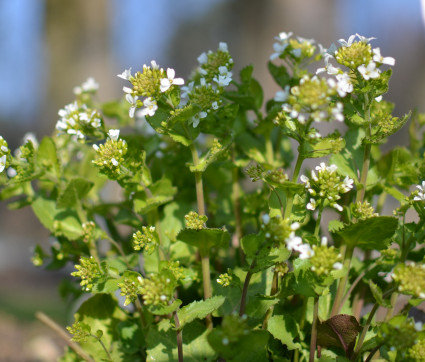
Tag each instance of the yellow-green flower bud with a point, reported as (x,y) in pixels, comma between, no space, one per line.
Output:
(195,221)
(158,289)
(148,82)
(353,56)
(363,210)
(129,289)
(224,279)
(411,279)
(88,271)
(88,232)
(110,155)
(80,332)
(146,239)
(325,259)
(417,352)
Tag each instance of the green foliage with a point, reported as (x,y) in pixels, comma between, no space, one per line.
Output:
(215,247)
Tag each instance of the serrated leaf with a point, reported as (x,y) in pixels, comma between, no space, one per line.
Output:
(199,309)
(377,294)
(370,234)
(285,329)
(162,345)
(131,336)
(46,157)
(280,74)
(165,309)
(75,190)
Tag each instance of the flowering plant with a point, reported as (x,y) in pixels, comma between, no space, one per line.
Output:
(193,237)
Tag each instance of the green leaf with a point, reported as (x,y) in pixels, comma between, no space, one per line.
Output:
(377,294)
(322,147)
(285,329)
(251,147)
(162,345)
(59,221)
(205,239)
(251,243)
(74,191)
(183,115)
(47,158)
(131,336)
(279,74)
(162,192)
(199,309)
(370,234)
(165,309)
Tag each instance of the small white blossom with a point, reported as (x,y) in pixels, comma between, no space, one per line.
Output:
(90,85)
(114,161)
(347,184)
(170,80)
(293,242)
(282,95)
(378,58)
(305,250)
(347,43)
(150,107)
(421,194)
(114,134)
(378,99)
(203,58)
(369,71)
(281,45)
(418,326)
(2,163)
(312,204)
(154,65)
(344,84)
(324,241)
(133,102)
(337,266)
(223,47)
(11,172)
(126,74)
(224,78)
(95,147)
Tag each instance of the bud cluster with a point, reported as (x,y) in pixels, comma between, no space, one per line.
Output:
(325,259)
(88,232)
(146,239)
(195,221)
(410,279)
(78,120)
(88,271)
(129,290)
(158,289)
(363,210)
(4,152)
(326,186)
(80,332)
(312,99)
(111,154)
(297,49)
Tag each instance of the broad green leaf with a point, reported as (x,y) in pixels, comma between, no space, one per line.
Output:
(59,221)
(251,147)
(280,74)
(205,239)
(370,234)
(259,304)
(74,191)
(162,345)
(322,147)
(284,328)
(183,114)
(47,158)
(251,243)
(199,309)
(131,336)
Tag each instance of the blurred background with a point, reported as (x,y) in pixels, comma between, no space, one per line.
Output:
(48,46)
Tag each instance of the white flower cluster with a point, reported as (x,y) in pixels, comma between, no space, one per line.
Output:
(326,185)
(283,42)
(368,70)
(74,118)
(89,86)
(149,103)
(421,194)
(4,151)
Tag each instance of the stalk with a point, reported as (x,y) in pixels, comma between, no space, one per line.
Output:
(64,335)
(341,286)
(313,340)
(319,219)
(179,337)
(364,331)
(236,191)
(274,289)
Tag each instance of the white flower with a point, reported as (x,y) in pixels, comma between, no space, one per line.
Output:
(364,39)
(378,99)
(186,90)
(150,107)
(223,47)
(329,68)
(337,266)
(90,85)
(114,134)
(126,74)
(203,58)
(224,78)
(296,52)
(114,161)
(282,96)
(347,43)
(305,180)
(2,163)
(347,184)
(421,193)
(95,147)
(127,90)
(133,101)
(266,219)
(344,84)
(338,207)
(369,71)
(312,204)
(418,326)
(167,82)
(293,242)
(324,241)
(378,58)
(281,45)
(11,172)
(197,118)
(337,112)
(154,65)
(305,250)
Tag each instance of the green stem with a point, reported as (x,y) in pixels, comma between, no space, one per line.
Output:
(313,340)
(319,219)
(236,191)
(337,305)
(103,346)
(289,201)
(179,337)
(198,179)
(302,322)
(364,331)
(206,281)
(269,149)
(274,289)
